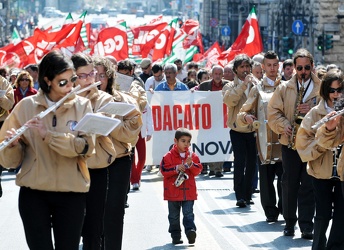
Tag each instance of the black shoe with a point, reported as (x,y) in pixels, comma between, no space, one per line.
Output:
(211,173)
(255,191)
(126,205)
(250,202)
(0,193)
(227,170)
(241,203)
(271,219)
(308,235)
(204,171)
(218,174)
(176,241)
(288,231)
(191,235)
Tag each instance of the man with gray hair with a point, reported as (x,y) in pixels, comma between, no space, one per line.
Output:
(171,83)
(214,84)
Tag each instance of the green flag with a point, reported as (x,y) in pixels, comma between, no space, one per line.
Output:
(69,19)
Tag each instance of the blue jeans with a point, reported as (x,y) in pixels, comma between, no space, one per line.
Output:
(174,217)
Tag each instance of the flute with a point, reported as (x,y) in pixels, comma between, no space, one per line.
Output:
(23,128)
(326,119)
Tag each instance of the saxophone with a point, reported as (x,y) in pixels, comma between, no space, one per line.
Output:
(297,118)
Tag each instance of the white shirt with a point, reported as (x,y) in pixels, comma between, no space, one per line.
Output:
(152,83)
(309,89)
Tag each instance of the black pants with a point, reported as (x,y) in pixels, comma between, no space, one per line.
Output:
(93,228)
(119,179)
(328,198)
(41,210)
(245,156)
(297,191)
(267,175)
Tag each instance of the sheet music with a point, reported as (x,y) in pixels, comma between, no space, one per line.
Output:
(117,108)
(123,82)
(96,124)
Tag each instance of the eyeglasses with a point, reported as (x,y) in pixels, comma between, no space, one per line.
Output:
(84,76)
(338,90)
(24,79)
(64,82)
(300,68)
(101,76)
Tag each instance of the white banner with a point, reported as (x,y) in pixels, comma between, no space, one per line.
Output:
(202,112)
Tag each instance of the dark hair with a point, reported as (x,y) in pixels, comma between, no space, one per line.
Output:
(200,74)
(329,77)
(303,53)
(177,61)
(3,72)
(270,55)
(80,60)
(182,132)
(33,67)
(192,65)
(156,68)
(125,65)
(288,62)
(239,59)
(192,83)
(54,63)
(110,71)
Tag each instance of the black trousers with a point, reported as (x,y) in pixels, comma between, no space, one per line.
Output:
(267,175)
(119,180)
(245,156)
(93,228)
(329,204)
(297,191)
(63,211)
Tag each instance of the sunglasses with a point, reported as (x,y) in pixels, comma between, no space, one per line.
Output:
(83,76)
(300,68)
(338,90)
(24,79)
(64,82)
(101,76)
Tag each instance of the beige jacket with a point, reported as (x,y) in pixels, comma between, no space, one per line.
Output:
(7,101)
(125,135)
(234,97)
(54,163)
(105,150)
(251,104)
(320,159)
(281,107)
(139,94)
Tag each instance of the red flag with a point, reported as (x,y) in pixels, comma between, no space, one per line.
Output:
(112,41)
(145,37)
(68,45)
(194,37)
(210,56)
(248,42)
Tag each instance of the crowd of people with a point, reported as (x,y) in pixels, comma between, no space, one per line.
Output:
(94,173)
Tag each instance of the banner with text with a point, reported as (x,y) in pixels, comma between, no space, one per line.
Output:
(202,112)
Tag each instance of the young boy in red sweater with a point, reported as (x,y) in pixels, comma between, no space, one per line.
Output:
(179,167)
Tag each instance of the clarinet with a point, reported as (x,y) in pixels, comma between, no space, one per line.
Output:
(336,152)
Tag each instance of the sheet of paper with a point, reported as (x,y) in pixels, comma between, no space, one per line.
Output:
(123,82)
(117,108)
(2,93)
(96,124)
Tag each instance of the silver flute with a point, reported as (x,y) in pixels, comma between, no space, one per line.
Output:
(327,119)
(23,128)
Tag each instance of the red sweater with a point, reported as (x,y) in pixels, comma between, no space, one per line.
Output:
(18,95)
(187,191)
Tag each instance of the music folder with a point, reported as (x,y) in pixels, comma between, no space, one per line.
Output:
(98,124)
(117,108)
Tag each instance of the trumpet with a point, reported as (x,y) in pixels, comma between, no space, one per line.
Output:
(23,128)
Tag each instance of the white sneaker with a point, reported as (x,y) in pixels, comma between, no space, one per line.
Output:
(136,186)
(149,168)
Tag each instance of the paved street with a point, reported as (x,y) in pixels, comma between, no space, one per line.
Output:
(220,224)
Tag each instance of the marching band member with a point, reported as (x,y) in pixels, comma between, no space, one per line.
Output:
(6,104)
(124,137)
(247,115)
(54,178)
(244,143)
(289,101)
(105,154)
(322,163)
